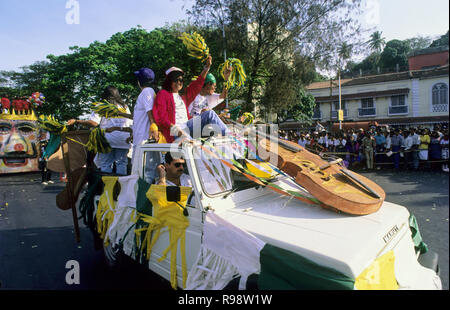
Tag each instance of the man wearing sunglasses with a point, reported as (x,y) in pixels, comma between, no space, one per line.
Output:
(171,173)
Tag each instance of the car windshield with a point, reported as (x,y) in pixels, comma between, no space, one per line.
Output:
(212,162)
(215,176)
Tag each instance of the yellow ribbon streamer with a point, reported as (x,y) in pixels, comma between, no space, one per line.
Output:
(166,214)
(106,207)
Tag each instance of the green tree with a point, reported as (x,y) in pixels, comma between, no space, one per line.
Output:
(442,41)
(285,96)
(264,33)
(71,82)
(395,52)
(301,110)
(419,42)
(377,42)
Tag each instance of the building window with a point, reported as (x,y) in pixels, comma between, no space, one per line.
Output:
(398,105)
(335,109)
(439,98)
(367,107)
(317,114)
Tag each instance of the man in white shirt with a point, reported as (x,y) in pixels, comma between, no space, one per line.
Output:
(116,135)
(323,140)
(302,141)
(407,144)
(415,148)
(142,115)
(171,173)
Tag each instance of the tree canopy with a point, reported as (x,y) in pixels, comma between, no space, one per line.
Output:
(395,52)
(71,82)
(442,41)
(280,42)
(267,35)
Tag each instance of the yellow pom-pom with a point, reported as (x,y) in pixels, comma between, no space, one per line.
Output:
(105,109)
(237,76)
(195,45)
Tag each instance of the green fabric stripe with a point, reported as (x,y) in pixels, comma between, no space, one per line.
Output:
(285,270)
(419,245)
(143,205)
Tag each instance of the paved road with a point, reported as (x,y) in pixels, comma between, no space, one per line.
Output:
(426,195)
(37,239)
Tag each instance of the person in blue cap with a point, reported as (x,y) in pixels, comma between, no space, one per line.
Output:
(142,115)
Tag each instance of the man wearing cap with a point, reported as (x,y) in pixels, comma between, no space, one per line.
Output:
(142,115)
(171,110)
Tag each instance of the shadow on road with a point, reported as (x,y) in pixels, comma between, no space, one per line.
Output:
(35,259)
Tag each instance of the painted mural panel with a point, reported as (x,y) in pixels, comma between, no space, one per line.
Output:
(20,136)
(19,145)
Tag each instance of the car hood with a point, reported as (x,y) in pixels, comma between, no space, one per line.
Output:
(344,242)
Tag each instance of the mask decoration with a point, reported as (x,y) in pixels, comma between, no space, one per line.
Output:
(20,135)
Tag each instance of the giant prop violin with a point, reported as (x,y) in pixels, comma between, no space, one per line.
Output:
(329,182)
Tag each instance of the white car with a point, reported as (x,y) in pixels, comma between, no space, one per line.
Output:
(296,245)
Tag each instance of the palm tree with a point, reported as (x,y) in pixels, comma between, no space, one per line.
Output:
(377,42)
(344,52)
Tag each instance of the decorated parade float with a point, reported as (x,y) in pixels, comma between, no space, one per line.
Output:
(259,213)
(20,134)
(245,221)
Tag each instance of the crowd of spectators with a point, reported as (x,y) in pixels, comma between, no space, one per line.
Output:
(379,147)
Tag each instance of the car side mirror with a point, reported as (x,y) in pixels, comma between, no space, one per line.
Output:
(173,194)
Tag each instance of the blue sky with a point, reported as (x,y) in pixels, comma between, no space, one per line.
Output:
(30,29)
(403,19)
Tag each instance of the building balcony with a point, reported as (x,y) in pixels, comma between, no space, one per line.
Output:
(439,108)
(397,110)
(334,114)
(367,112)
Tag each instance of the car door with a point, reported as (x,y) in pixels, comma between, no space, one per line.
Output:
(151,159)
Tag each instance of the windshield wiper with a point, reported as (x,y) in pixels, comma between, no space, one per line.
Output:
(239,187)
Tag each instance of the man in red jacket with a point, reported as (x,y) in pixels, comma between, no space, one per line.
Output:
(170,110)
